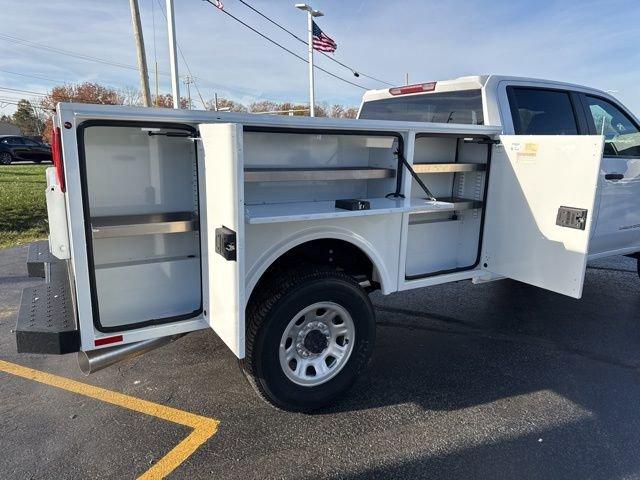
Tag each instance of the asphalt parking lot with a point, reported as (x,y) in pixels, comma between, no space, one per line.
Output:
(500,380)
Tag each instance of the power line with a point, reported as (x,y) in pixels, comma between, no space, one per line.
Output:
(69,53)
(353,70)
(17,90)
(285,48)
(41,46)
(32,76)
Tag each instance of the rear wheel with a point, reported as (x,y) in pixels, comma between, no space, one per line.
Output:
(5,158)
(308,338)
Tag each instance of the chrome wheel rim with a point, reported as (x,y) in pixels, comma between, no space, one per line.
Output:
(317,344)
(5,158)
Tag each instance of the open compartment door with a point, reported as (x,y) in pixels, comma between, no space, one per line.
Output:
(222,224)
(542,191)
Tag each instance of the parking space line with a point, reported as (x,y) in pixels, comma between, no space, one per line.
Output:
(203,427)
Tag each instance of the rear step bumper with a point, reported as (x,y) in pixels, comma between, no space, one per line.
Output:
(46,320)
(37,257)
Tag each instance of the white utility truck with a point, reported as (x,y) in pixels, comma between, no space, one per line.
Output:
(273,230)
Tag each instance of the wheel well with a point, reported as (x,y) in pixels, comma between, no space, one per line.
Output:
(329,252)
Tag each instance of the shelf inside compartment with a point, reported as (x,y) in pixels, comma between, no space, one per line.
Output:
(448,167)
(148,224)
(286,174)
(443,204)
(299,211)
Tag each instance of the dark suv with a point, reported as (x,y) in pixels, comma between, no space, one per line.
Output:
(13,148)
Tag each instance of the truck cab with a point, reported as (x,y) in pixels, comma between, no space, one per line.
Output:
(526,106)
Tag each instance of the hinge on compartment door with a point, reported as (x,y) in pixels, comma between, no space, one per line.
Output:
(226,243)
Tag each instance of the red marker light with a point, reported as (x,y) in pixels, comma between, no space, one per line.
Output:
(56,156)
(417,88)
(107,340)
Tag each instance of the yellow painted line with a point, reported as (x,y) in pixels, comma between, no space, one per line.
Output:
(203,427)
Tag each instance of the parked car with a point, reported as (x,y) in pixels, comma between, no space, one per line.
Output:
(13,148)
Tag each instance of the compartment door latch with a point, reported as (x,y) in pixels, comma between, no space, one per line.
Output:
(571,217)
(226,243)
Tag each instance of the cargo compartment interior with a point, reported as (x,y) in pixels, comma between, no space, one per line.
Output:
(300,175)
(454,169)
(141,205)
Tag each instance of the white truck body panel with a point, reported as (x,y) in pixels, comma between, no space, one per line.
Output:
(531,176)
(57,214)
(402,237)
(222,192)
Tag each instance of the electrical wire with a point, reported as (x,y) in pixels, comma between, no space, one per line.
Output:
(270,40)
(69,53)
(32,76)
(42,46)
(17,90)
(353,70)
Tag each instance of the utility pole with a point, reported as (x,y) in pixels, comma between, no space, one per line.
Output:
(311,13)
(142,57)
(188,80)
(173,58)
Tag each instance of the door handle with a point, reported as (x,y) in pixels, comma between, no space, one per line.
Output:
(614,176)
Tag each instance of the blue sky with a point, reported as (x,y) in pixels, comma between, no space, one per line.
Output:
(591,42)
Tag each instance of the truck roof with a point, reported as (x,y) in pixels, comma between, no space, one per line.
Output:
(476,82)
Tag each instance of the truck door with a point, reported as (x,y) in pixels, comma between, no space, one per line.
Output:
(222,227)
(540,206)
(618,223)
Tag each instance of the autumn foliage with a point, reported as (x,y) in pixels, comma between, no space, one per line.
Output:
(89,92)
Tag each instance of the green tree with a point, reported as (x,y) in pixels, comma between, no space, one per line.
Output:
(27,120)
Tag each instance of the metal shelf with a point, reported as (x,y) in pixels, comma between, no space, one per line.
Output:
(443,204)
(448,167)
(149,224)
(301,211)
(311,174)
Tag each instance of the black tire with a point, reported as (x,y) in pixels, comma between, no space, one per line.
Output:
(638,266)
(269,314)
(6,158)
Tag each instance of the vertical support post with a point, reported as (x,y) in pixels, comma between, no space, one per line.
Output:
(142,56)
(173,58)
(312,95)
(156,75)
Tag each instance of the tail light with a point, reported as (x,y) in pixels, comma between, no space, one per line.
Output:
(417,88)
(56,155)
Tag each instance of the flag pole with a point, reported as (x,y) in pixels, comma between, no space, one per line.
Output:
(311,13)
(312,93)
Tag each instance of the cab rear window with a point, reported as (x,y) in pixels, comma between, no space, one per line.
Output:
(461,107)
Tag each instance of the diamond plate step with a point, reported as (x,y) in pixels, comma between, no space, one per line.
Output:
(46,320)
(36,258)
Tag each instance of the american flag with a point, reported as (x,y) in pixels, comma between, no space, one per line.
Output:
(322,41)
